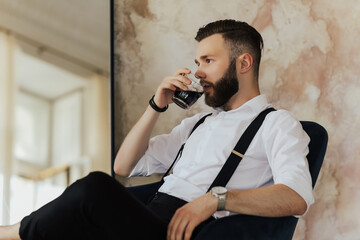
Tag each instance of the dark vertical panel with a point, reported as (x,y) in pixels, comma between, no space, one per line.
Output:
(112,83)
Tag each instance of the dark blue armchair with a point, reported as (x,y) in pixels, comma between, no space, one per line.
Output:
(254,227)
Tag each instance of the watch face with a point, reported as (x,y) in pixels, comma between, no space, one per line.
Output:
(219,190)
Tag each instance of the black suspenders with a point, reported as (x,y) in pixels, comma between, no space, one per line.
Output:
(240,148)
(178,155)
(235,156)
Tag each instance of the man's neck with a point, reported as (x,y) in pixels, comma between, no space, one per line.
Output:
(240,99)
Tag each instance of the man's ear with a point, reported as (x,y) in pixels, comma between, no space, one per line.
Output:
(244,62)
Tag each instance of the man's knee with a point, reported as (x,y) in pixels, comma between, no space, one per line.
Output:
(98,176)
(99,183)
(95,179)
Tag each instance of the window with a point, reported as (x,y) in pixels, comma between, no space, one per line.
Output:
(32,129)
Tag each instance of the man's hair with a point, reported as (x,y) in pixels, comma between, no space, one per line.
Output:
(239,36)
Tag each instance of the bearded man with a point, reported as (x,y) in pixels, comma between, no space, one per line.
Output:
(272,180)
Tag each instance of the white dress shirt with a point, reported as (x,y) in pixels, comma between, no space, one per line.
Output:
(277,154)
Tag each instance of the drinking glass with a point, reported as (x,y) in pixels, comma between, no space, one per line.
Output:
(185,99)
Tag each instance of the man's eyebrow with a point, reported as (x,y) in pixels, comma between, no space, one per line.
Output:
(202,58)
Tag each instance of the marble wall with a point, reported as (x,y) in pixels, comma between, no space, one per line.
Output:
(310,66)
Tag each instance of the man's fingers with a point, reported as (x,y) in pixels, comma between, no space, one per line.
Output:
(177,226)
(182,70)
(182,79)
(172,226)
(174,83)
(178,232)
(189,230)
(183,229)
(169,85)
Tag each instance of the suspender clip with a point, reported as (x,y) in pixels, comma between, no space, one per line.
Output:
(237,153)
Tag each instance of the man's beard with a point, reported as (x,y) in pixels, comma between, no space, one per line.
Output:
(224,89)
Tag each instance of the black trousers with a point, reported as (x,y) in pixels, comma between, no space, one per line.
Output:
(99,207)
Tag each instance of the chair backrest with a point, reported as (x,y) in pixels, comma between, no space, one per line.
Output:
(317,147)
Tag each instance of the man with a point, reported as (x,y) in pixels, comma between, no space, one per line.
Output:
(272,179)
(228,59)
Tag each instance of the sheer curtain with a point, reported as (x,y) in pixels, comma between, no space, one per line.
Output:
(96,137)
(92,117)
(7,100)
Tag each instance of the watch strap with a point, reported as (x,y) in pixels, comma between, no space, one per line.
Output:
(220,196)
(222,202)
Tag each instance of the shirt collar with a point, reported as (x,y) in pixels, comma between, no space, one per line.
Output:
(255,105)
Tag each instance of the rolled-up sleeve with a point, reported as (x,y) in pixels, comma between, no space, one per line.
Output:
(287,148)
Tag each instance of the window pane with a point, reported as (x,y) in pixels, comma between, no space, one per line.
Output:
(32,120)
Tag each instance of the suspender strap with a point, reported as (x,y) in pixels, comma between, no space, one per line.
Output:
(237,154)
(199,122)
(178,155)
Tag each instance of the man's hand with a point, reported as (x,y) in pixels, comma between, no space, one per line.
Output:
(169,85)
(190,215)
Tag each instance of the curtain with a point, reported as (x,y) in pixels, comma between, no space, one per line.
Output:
(7,100)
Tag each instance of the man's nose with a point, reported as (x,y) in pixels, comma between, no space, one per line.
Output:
(200,74)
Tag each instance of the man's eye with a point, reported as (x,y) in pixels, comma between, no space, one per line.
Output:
(209,60)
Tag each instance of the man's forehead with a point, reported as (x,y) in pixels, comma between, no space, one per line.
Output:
(210,46)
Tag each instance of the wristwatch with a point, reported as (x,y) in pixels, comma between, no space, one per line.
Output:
(220,193)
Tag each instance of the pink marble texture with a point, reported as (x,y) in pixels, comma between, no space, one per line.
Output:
(310,66)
